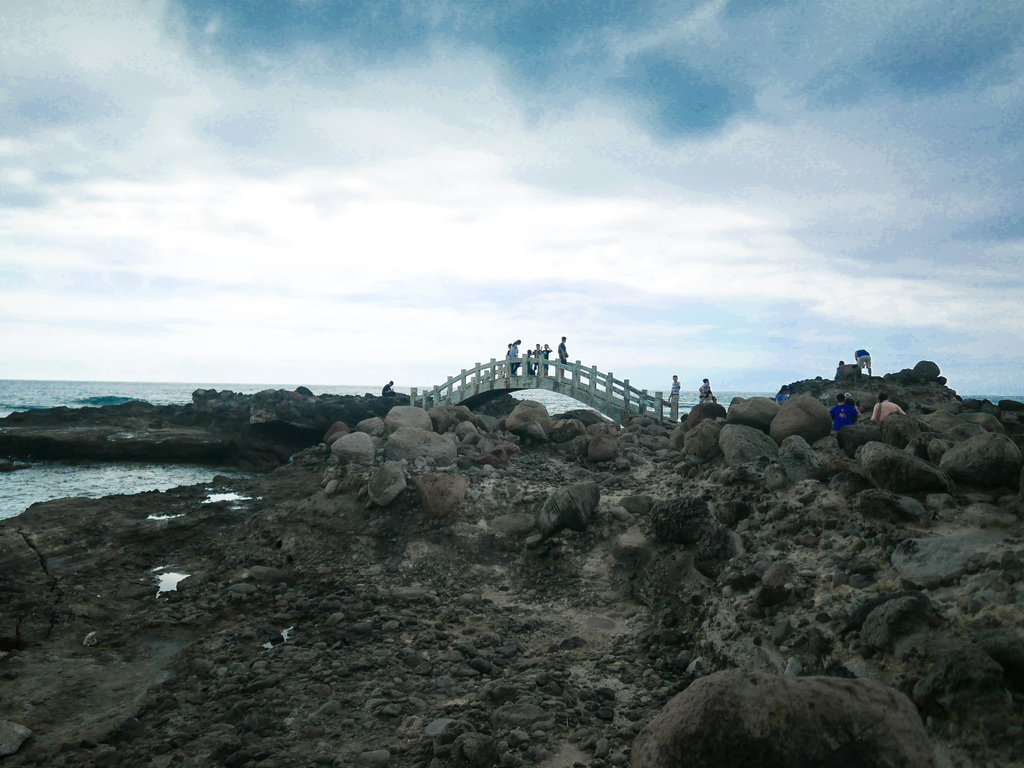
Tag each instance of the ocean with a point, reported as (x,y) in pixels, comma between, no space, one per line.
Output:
(53,480)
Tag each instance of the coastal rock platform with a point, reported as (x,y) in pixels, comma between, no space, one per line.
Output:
(310,625)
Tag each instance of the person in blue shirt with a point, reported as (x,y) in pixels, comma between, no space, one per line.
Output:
(783,394)
(515,354)
(863,360)
(674,398)
(843,413)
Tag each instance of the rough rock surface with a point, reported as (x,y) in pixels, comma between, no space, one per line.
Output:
(989,460)
(804,416)
(444,630)
(529,419)
(897,471)
(756,412)
(410,443)
(748,718)
(407,416)
(741,444)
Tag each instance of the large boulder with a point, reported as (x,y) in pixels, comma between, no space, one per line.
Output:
(898,429)
(441,418)
(12,736)
(897,471)
(991,460)
(756,412)
(927,370)
(410,444)
(529,419)
(571,508)
(982,419)
(854,436)
(441,493)
(407,416)
(702,411)
(336,430)
(565,430)
(677,438)
(799,461)
(602,448)
(387,483)
(801,415)
(941,420)
(741,444)
(354,448)
(877,503)
(895,620)
(701,441)
(373,426)
(739,718)
(682,520)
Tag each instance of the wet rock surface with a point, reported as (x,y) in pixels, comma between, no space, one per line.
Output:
(218,428)
(537,607)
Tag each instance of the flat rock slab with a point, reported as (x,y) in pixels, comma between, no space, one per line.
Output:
(926,559)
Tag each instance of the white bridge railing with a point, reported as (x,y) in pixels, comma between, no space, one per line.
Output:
(602,391)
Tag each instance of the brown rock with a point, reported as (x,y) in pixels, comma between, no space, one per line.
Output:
(441,493)
(739,718)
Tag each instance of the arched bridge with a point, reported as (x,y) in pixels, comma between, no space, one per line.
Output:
(601,391)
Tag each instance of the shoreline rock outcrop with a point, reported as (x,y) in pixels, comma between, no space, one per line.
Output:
(519,600)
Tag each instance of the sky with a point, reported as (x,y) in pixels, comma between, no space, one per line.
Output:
(317,191)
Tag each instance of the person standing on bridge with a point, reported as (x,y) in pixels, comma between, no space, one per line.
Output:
(674,398)
(563,354)
(508,361)
(546,353)
(515,354)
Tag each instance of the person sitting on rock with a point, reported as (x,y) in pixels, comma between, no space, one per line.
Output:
(843,413)
(388,390)
(783,394)
(885,407)
(863,360)
(705,393)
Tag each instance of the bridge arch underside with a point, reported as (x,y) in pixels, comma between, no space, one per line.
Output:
(582,397)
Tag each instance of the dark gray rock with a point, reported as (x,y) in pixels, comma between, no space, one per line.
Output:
(897,471)
(988,460)
(799,461)
(741,444)
(736,718)
(890,506)
(571,508)
(854,436)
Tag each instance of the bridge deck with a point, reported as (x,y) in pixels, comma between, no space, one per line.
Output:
(601,391)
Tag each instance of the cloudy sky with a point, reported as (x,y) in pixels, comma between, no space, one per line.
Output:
(328,192)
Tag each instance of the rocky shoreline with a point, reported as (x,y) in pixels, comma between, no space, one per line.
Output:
(218,428)
(447,588)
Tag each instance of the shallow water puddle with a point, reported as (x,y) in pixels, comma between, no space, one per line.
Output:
(234,498)
(285,634)
(168,580)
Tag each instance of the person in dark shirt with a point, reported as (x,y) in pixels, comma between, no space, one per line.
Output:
(563,354)
(843,413)
(389,390)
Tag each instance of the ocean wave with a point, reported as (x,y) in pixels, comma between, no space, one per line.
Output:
(103,400)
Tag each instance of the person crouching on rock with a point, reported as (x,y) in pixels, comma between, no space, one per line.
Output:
(885,407)
(389,390)
(863,360)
